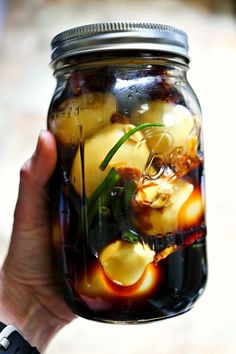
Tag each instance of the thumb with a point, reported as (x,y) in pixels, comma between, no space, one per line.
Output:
(31,208)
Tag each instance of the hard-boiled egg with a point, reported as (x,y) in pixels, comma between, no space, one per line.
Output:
(162,206)
(91,111)
(134,153)
(177,124)
(124,263)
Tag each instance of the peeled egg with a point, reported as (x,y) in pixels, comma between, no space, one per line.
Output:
(163,220)
(134,153)
(124,263)
(177,120)
(91,111)
(192,212)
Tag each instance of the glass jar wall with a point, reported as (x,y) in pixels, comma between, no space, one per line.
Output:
(127,196)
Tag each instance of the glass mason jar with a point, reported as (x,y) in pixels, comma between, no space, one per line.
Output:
(127,195)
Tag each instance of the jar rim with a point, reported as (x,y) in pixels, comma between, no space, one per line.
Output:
(110,36)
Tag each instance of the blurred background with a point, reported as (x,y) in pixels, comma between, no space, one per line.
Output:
(26,87)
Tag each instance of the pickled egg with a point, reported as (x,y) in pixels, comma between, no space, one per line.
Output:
(192,212)
(133,153)
(91,111)
(177,120)
(124,263)
(161,217)
(96,288)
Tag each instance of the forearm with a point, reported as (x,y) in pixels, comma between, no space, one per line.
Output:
(19,307)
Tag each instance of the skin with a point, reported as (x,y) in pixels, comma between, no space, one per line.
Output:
(29,296)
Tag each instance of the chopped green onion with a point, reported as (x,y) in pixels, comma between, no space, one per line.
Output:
(198,245)
(129,189)
(115,202)
(99,195)
(129,236)
(122,140)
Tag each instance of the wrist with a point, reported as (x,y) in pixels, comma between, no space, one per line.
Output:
(19,307)
(13,341)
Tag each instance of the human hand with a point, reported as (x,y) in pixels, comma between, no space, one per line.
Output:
(29,296)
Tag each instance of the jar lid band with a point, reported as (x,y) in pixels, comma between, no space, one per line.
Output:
(119,36)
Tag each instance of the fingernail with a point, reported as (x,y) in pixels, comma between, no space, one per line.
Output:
(39,144)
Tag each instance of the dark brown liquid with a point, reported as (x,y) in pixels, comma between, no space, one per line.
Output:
(173,281)
(176,280)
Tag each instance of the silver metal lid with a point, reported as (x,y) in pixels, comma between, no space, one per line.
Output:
(119,36)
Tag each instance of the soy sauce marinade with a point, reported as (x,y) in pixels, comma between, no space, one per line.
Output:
(128,222)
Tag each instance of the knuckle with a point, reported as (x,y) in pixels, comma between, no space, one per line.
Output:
(25,171)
